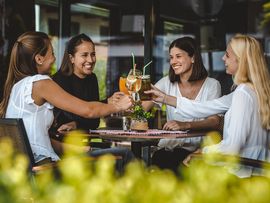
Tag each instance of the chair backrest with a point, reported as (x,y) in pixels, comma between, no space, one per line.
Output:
(14,129)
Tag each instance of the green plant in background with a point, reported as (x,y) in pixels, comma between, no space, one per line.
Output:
(96,181)
(53,69)
(266,15)
(100,71)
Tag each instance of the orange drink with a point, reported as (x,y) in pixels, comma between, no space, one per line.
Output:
(133,83)
(122,85)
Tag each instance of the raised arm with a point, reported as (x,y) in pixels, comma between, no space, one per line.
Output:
(147,105)
(48,90)
(161,97)
(193,109)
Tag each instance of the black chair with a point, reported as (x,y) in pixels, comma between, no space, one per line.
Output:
(14,130)
(241,161)
(252,162)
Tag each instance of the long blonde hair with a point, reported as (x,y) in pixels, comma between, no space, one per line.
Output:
(22,61)
(253,70)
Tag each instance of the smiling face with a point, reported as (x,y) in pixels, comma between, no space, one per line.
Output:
(231,61)
(44,63)
(180,61)
(84,59)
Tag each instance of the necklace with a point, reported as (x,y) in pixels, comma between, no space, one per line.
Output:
(190,90)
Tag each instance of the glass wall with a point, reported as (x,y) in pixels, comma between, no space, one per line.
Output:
(145,28)
(15,18)
(172,30)
(93,21)
(115,37)
(47,20)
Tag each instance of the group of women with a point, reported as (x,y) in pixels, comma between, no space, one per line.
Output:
(31,94)
(247,110)
(192,98)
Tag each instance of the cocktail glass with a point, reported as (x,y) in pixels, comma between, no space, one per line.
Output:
(134,81)
(122,85)
(146,85)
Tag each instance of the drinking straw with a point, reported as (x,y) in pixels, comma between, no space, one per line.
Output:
(146,66)
(133,63)
(134,67)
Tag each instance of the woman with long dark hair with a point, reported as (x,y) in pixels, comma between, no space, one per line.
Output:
(187,78)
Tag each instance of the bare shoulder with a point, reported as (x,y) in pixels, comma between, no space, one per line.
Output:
(43,88)
(44,84)
(39,87)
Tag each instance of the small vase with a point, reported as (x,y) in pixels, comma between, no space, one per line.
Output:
(140,125)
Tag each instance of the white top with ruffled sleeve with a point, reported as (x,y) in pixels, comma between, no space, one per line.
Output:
(37,119)
(210,89)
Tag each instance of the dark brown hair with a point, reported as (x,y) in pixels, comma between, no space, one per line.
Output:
(22,61)
(66,66)
(188,44)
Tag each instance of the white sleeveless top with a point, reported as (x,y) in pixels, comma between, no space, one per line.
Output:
(37,119)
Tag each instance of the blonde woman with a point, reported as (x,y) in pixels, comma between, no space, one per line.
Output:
(247,118)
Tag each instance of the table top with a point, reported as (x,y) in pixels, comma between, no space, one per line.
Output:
(149,135)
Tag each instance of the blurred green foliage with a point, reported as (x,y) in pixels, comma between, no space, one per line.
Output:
(266,15)
(87,181)
(53,69)
(100,71)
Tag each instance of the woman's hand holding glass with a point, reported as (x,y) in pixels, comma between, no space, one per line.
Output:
(157,95)
(161,97)
(115,97)
(123,103)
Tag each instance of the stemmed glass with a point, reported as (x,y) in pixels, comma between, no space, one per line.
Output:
(133,82)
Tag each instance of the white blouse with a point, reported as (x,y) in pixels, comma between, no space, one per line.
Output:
(243,134)
(37,119)
(210,90)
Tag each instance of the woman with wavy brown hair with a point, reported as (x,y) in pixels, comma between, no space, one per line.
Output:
(187,78)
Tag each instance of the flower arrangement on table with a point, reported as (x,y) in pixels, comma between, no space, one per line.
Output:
(139,118)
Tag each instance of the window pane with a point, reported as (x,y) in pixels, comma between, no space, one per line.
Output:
(46,12)
(94,22)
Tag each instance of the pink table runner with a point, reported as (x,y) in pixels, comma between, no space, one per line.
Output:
(148,132)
